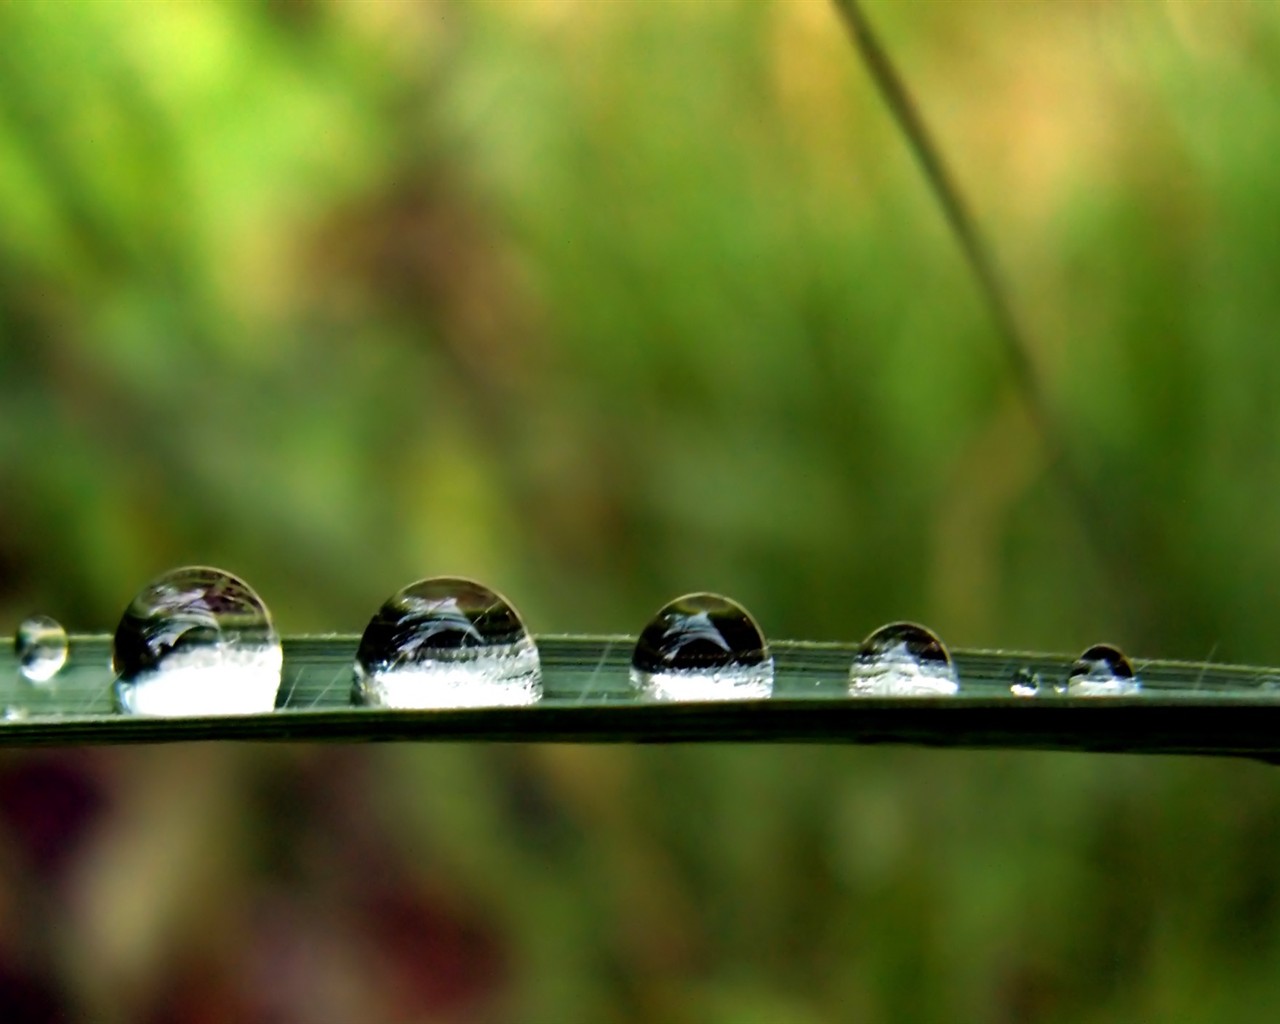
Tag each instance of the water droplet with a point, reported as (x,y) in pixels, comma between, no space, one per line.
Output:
(196,641)
(12,713)
(40,645)
(1026,683)
(1102,671)
(902,660)
(702,647)
(446,642)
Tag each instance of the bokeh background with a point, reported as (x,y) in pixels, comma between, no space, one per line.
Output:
(602,302)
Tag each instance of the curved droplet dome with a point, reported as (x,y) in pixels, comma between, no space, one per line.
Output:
(196,641)
(702,647)
(40,645)
(446,642)
(1102,671)
(902,659)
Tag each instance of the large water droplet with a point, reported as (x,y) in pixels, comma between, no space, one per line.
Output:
(1102,671)
(40,645)
(196,641)
(902,660)
(446,643)
(702,647)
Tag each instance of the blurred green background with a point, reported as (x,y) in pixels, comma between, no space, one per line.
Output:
(602,302)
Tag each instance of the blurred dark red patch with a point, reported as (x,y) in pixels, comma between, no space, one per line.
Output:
(444,960)
(48,802)
(25,999)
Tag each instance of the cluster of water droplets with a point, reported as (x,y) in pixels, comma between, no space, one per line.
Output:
(1101,671)
(199,641)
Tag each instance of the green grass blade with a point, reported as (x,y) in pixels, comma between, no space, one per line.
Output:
(1183,707)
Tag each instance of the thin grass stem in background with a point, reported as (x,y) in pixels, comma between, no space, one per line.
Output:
(1116,555)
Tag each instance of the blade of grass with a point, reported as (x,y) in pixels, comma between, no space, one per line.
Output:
(1183,707)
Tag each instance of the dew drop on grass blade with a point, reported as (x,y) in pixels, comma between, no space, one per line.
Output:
(40,645)
(446,642)
(196,641)
(702,647)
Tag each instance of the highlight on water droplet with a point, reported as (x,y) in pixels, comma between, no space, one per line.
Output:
(196,641)
(1102,671)
(1026,683)
(902,659)
(446,642)
(40,645)
(702,647)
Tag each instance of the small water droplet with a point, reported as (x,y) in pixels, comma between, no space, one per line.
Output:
(702,647)
(446,642)
(902,660)
(12,713)
(196,641)
(1026,683)
(40,645)
(1102,671)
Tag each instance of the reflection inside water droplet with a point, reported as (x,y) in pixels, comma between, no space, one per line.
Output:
(1026,683)
(702,647)
(196,641)
(1102,671)
(40,645)
(446,642)
(902,659)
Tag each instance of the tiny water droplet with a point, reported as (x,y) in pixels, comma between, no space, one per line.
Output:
(446,642)
(1026,683)
(12,713)
(702,647)
(196,641)
(40,645)
(902,660)
(1102,671)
